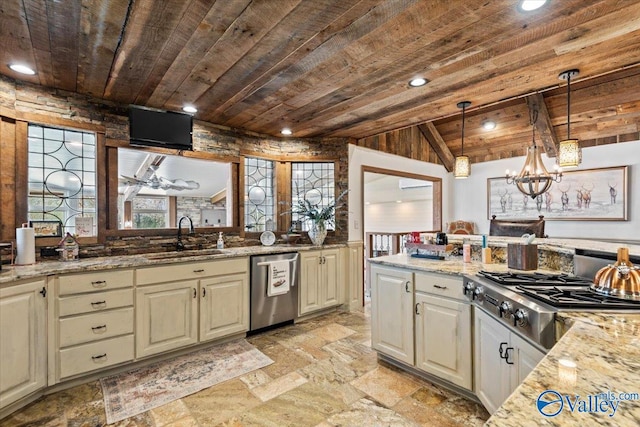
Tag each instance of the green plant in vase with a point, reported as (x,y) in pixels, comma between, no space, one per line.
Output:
(320,218)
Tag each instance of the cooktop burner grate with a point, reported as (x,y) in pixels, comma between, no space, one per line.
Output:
(575,297)
(513,279)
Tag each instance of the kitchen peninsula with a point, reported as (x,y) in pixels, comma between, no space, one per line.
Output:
(596,352)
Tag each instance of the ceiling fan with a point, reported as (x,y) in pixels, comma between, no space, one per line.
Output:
(158,182)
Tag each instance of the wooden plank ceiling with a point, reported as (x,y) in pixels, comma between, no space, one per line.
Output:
(336,68)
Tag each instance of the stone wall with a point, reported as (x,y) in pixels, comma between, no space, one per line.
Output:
(50,106)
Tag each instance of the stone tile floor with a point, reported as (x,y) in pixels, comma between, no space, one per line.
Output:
(325,374)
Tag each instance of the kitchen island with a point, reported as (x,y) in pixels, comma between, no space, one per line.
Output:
(598,354)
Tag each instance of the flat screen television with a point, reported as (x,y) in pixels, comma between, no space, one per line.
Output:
(165,129)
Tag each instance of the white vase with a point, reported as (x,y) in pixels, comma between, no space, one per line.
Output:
(317,233)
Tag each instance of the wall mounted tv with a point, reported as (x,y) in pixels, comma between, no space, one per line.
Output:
(165,129)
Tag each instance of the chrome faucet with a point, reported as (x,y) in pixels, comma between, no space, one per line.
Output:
(179,244)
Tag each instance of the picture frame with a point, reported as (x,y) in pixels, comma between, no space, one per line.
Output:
(583,195)
(46,228)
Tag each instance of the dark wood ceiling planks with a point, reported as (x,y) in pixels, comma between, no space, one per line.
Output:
(336,68)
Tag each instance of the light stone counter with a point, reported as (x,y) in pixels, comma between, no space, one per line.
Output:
(605,348)
(600,353)
(46,268)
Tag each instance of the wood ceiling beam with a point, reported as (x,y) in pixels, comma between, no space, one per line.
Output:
(436,142)
(543,125)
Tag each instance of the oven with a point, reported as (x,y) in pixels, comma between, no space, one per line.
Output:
(514,319)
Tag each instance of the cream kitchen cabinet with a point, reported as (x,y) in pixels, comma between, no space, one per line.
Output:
(183,304)
(92,322)
(319,280)
(392,312)
(443,329)
(502,360)
(23,340)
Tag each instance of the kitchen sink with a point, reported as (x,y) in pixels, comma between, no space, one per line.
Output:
(183,254)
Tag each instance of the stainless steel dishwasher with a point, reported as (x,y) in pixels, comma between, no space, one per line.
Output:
(272,310)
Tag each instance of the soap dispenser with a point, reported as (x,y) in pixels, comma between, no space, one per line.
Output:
(220,244)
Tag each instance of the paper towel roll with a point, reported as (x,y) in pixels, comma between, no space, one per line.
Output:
(26,246)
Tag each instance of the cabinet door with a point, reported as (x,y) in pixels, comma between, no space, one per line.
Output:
(224,306)
(310,282)
(492,374)
(525,358)
(166,317)
(23,341)
(330,270)
(443,338)
(392,312)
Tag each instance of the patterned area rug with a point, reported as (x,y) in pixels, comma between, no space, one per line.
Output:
(134,392)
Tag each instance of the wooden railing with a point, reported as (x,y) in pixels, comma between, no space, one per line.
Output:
(380,244)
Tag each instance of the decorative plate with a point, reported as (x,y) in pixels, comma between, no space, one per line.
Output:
(267,238)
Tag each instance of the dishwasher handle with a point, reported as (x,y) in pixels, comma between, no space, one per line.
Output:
(293,271)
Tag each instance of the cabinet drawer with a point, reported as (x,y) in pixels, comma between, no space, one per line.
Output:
(440,284)
(192,270)
(91,282)
(97,355)
(99,301)
(95,326)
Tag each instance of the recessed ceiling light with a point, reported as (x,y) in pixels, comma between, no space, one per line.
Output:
(530,5)
(417,82)
(189,109)
(488,125)
(23,69)
(286,131)
(398,201)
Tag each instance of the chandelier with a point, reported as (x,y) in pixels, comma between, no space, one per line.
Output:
(534,179)
(569,152)
(462,166)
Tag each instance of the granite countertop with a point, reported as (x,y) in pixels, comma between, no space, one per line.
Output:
(46,268)
(599,353)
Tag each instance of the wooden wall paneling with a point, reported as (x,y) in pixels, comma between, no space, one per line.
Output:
(283,195)
(22,179)
(102,176)
(237,189)
(111,165)
(7,178)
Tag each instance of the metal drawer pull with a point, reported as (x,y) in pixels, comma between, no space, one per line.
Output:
(98,328)
(200,270)
(99,283)
(439,287)
(502,350)
(195,293)
(204,292)
(406,286)
(506,355)
(417,305)
(100,356)
(98,303)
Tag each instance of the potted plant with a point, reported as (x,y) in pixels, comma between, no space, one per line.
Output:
(320,217)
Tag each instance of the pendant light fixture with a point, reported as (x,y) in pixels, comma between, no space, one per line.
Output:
(534,179)
(569,152)
(462,167)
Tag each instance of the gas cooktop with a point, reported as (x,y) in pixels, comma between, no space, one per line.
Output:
(576,297)
(513,279)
